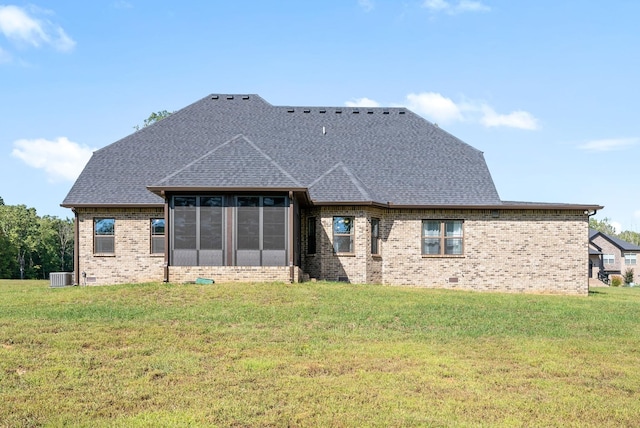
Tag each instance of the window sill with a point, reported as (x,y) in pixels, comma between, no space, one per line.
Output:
(376,256)
(104,254)
(443,256)
(156,254)
(345,254)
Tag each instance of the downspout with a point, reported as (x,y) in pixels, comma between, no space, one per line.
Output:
(166,239)
(76,249)
(291,238)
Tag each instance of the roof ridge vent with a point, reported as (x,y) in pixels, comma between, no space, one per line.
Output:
(229,97)
(245,97)
(215,97)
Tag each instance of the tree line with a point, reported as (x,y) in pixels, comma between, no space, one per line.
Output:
(31,246)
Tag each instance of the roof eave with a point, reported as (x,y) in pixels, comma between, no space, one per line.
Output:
(502,206)
(301,193)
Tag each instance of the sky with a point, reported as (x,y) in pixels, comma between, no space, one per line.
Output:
(547,90)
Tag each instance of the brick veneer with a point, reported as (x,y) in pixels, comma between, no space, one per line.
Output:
(132,260)
(538,251)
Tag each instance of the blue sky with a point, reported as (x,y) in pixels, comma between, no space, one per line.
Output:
(546,89)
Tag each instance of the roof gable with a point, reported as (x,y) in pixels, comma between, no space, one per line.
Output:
(621,244)
(235,163)
(339,179)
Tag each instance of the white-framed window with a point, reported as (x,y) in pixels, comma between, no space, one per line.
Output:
(608,259)
(343,234)
(630,259)
(442,237)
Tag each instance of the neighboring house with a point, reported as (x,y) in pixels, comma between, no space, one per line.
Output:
(235,189)
(609,255)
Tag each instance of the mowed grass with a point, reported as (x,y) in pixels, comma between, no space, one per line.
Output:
(315,354)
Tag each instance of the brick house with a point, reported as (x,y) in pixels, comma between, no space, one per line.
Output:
(235,189)
(609,256)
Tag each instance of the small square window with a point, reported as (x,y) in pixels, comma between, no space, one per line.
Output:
(609,259)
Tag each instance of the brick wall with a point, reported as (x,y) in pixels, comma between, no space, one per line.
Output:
(541,251)
(132,260)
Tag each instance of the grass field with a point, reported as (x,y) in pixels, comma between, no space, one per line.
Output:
(315,354)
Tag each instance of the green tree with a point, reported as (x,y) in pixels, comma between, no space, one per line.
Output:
(153,118)
(603,226)
(19,225)
(630,236)
(32,247)
(56,245)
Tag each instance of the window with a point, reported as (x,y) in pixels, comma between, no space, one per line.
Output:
(104,235)
(157,236)
(630,259)
(608,259)
(311,235)
(343,234)
(375,236)
(442,237)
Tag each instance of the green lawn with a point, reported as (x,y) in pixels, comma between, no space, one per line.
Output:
(315,354)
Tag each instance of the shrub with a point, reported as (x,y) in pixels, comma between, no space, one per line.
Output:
(616,281)
(628,276)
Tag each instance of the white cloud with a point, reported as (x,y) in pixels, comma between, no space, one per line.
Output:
(362,102)
(454,8)
(516,119)
(440,109)
(23,27)
(434,106)
(608,145)
(471,6)
(61,159)
(367,5)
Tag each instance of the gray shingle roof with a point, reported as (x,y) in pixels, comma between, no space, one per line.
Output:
(340,154)
(623,245)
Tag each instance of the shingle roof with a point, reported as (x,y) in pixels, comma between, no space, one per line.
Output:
(623,245)
(340,154)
